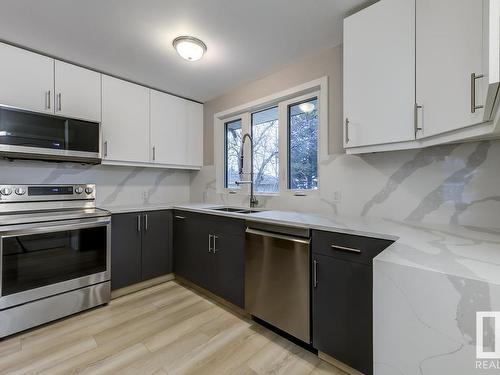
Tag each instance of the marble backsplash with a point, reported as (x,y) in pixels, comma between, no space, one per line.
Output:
(455,184)
(115,185)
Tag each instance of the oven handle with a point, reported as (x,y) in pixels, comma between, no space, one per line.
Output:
(56,226)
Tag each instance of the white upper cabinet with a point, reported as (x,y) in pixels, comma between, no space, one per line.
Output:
(125,121)
(379,74)
(449,51)
(176,131)
(77,92)
(195,134)
(27,79)
(168,128)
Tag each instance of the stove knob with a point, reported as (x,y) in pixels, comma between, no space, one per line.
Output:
(89,190)
(20,191)
(6,191)
(78,190)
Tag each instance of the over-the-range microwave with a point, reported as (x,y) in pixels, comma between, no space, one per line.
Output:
(30,135)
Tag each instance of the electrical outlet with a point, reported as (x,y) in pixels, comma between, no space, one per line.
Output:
(144,195)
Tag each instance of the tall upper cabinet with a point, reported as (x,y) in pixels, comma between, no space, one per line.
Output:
(176,131)
(125,121)
(451,77)
(379,71)
(452,83)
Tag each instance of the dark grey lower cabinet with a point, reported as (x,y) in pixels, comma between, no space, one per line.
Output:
(342,311)
(209,251)
(125,250)
(342,287)
(141,247)
(156,244)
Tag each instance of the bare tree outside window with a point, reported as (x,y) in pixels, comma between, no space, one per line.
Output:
(265,129)
(303,145)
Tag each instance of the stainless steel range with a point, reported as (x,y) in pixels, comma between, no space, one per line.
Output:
(54,254)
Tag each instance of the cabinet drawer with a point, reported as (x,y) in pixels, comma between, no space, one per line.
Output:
(348,247)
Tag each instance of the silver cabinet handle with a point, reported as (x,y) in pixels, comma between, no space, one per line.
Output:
(105,148)
(214,248)
(154,153)
(145,222)
(473,78)
(315,273)
(47,100)
(179,217)
(138,223)
(346,130)
(415,119)
(59,106)
(209,243)
(351,249)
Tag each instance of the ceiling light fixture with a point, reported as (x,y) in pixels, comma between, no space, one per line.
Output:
(307,107)
(189,48)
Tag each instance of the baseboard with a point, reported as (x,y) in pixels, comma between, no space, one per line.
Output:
(142,285)
(348,369)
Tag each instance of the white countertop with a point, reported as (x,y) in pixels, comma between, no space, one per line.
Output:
(468,252)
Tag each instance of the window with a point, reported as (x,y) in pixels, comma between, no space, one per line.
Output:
(232,145)
(303,145)
(265,130)
(289,130)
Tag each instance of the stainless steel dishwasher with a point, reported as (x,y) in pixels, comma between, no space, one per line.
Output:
(277,277)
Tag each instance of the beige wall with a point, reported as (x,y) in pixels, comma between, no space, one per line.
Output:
(327,63)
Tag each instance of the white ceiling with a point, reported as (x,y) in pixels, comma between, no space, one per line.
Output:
(246,39)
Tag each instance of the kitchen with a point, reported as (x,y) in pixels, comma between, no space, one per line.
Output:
(174,202)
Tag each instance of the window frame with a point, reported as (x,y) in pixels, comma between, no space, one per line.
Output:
(226,122)
(288,104)
(278,108)
(314,89)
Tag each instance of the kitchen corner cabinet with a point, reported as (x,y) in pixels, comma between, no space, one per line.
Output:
(77,92)
(449,44)
(442,57)
(176,131)
(209,251)
(27,79)
(342,296)
(141,247)
(379,74)
(125,121)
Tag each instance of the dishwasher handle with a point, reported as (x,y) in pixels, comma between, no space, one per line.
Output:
(278,236)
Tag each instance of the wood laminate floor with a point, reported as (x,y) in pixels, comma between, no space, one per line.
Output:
(166,329)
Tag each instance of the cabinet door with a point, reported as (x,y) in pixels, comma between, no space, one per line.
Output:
(192,259)
(194,134)
(78,92)
(27,79)
(169,128)
(449,49)
(125,250)
(229,260)
(156,244)
(125,120)
(342,311)
(379,74)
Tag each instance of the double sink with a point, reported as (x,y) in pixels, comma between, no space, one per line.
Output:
(236,210)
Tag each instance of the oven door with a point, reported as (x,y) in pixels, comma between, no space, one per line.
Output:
(43,259)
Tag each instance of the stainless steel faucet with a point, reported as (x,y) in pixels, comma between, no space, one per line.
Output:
(253,199)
